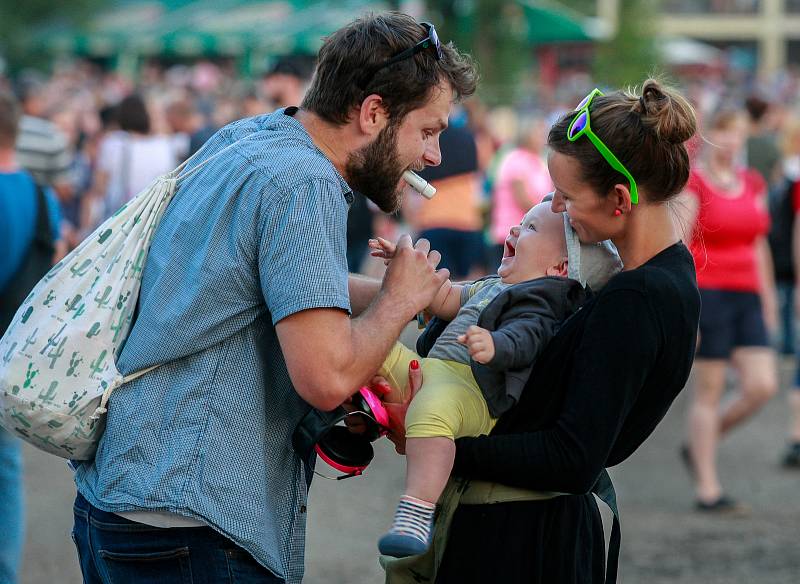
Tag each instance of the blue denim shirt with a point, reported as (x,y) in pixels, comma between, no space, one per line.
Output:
(255,234)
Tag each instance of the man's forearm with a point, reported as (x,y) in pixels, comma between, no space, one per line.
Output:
(376,331)
(372,335)
(329,354)
(363,291)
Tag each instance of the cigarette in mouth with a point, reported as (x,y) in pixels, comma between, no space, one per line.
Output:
(419,184)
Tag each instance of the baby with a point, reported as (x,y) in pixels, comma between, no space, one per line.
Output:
(479,365)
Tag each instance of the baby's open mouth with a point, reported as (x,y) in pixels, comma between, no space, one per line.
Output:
(509,250)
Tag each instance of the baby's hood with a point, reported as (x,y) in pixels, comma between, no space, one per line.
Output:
(591,264)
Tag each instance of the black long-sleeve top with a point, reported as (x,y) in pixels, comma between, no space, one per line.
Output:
(601,386)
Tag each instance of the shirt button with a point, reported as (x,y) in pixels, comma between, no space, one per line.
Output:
(302,508)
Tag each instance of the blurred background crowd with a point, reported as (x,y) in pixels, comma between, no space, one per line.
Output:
(115,93)
(118,92)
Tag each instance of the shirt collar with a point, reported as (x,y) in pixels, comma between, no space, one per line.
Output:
(289,119)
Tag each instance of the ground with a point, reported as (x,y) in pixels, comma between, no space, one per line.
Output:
(663,539)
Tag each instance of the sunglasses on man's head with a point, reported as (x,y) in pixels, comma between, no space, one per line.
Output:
(581,125)
(430,41)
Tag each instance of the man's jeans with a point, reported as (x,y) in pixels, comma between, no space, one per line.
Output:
(112,549)
(11,508)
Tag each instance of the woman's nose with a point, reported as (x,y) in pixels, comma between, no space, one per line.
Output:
(557,204)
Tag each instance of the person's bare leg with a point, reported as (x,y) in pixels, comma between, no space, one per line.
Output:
(791,459)
(703,426)
(429,463)
(758,376)
(794,413)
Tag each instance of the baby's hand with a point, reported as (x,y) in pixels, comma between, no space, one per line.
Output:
(479,342)
(382,248)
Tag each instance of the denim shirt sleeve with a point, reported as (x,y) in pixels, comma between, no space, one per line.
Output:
(302,250)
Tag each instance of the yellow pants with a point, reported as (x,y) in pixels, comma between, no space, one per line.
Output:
(449,404)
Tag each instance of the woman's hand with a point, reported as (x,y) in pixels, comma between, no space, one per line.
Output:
(356,423)
(770,310)
(397,411)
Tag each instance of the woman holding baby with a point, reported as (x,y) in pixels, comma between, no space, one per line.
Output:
(612,370)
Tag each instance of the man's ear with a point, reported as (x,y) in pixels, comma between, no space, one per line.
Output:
(372,117)
(560,269)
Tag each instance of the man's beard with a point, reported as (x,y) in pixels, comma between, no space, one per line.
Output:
(374,171)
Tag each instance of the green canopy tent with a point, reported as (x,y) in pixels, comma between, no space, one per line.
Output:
(251,31)
(550,22)
(511,37)
(248,30)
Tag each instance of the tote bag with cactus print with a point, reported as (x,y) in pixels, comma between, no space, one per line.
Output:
(57,357)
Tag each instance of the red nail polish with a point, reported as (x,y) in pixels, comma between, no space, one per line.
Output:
(415,364)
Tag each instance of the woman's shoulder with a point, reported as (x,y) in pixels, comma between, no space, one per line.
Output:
(668,273)
(659,298)
(753,181)
(155,151)
(698,183)
(110,148)
(153,142)
(113,139)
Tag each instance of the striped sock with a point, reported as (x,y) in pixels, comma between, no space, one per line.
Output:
(414,517)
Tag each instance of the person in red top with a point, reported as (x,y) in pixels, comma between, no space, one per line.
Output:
(725,204)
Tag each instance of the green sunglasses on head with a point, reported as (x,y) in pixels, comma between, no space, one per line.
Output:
(581,125)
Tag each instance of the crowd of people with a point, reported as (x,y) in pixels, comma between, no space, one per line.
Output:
(98,138)
(79,144)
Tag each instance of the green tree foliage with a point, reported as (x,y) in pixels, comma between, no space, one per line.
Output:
(19,20)
(492,31)
(631,55)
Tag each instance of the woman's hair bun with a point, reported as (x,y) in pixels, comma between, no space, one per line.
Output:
(666,113)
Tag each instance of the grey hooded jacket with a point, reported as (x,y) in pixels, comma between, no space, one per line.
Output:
(522,319)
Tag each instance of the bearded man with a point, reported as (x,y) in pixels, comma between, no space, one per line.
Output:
(247,308)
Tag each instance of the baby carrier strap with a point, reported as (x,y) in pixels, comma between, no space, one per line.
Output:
(604,490)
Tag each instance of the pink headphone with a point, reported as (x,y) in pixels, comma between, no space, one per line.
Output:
(341,449)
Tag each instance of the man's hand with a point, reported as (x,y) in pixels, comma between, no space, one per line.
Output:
(397,410)
(479,342)
(385,249)
(411,280)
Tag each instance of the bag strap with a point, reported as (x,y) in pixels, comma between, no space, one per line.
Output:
(604,490)
(178,173)
(175,175)
(102,409)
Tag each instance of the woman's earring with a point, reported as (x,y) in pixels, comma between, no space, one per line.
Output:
(617,212)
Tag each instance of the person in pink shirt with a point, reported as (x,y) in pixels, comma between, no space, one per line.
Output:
(522,179)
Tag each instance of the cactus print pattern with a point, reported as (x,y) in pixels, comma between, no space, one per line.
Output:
(58,356)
